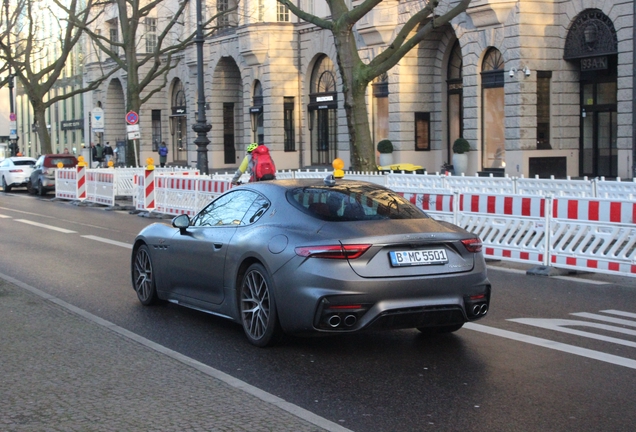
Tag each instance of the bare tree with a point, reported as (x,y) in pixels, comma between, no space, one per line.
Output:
(147,71)
(38,60)
(355,74)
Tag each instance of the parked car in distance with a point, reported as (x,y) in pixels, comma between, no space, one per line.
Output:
(15,172)
(42,178)
(311,257)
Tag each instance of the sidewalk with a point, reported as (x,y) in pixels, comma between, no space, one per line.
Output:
(63,369)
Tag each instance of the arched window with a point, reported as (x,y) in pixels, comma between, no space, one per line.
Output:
(381,108)
(492,120)
(258,131)
(323,107)
(178,123)
(455,93)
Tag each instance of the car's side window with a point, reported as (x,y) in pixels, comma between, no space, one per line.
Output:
(256,210)
(4,163)
(228,209)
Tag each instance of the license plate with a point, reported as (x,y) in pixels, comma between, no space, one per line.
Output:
(418,257)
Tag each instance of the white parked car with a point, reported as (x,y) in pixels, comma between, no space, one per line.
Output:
(15,172)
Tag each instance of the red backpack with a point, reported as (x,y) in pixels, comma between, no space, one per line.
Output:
(264,168)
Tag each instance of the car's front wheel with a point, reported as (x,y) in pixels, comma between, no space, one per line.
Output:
(429,331)
(258,308)
(5,186)
(143,277)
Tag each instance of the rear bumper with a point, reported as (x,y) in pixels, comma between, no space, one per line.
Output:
(342,302)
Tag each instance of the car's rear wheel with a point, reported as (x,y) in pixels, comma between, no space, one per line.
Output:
(441,329)
(5,186)
(258,308)
(40,188)
(143,277)
(30,187)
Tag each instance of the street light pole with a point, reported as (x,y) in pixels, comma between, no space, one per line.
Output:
(13,133)
(201,127)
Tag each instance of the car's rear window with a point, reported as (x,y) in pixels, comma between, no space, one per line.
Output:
(353,203)
(24,163)
(68,162)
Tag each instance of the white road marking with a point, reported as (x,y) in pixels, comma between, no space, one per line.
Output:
(619,313)
(571,349)
(109,241)
(605,318)
(62,230)
(4,216)
(562,325)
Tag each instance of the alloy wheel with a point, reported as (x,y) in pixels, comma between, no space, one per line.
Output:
(143,280)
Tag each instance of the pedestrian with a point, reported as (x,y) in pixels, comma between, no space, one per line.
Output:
(108,153)
(163,154)
(257,163)
(98,154)
(66,150)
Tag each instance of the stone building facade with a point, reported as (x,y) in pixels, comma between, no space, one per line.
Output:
(536,87)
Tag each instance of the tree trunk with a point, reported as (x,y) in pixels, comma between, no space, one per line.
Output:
(43,133)
(354,87)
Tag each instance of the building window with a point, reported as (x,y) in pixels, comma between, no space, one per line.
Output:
(227,19)
(543,110)
(381,108)
(261,10)
(283,12)
(493,108)
(151,34)
(114,39)
(422,131)
(156,129)
(455,92)
(258,127)
(224,19)
(288,107)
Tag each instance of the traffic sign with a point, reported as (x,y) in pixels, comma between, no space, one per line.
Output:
(13,117)
(132,117)
(97,119)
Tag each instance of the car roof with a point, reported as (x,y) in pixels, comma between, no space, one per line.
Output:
(339,184)
(21,158)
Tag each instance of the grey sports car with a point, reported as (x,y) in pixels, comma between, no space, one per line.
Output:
(314,256)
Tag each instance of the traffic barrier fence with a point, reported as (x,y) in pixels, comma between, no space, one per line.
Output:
(565,230)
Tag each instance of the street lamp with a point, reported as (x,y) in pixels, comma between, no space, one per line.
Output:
(201,127)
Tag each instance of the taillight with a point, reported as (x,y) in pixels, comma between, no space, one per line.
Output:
(15,170)
(332,251)
(472,245)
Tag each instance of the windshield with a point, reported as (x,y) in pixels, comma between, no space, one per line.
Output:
(353,202)
(67,161)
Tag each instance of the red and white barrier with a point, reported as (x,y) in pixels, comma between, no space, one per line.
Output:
(81,183)
(101,186)
(66,183)
(594,235)
(149,189)
(510,227)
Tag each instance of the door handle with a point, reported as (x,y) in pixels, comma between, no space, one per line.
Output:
(218,246)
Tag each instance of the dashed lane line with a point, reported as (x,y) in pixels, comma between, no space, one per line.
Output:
(109,241)
(37,224)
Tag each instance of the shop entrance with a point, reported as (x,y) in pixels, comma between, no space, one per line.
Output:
(599,155)
(592,44)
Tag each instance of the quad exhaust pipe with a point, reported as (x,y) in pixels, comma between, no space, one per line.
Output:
(480,309)
(336,321)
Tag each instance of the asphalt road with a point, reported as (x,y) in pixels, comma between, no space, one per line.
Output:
(530,365)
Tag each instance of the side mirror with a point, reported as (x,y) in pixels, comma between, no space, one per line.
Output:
(182,222)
